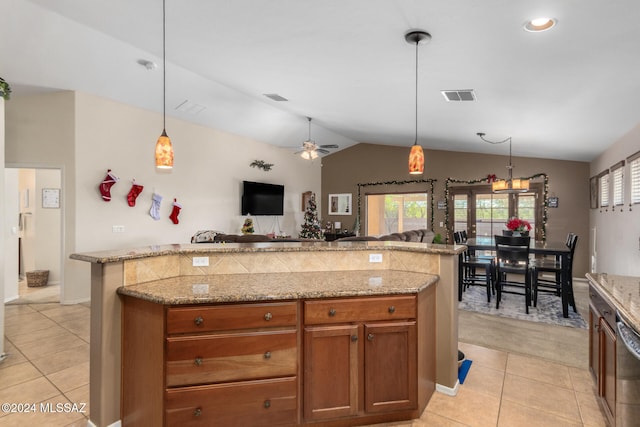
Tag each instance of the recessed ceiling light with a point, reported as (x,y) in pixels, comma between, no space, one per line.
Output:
(539,24)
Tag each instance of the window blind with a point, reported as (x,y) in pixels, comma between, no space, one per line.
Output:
(617,174)
(604,189)
(634,172)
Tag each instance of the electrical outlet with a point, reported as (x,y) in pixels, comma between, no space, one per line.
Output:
(117,229)
(375,257)
(200,261)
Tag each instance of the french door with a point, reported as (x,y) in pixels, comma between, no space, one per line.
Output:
(480,212)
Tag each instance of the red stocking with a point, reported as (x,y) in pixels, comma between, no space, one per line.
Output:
(135,191)
(105,185)
(175,211)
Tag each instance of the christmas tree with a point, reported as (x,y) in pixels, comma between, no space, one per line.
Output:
(311,229)
(247,227)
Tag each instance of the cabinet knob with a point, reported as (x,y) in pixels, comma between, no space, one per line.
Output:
(267,404)
(198,320)
(354,338)
(268,316)
(332,312)
(392,309)
(370,337)
(197,412)
(198,361)
(267,355)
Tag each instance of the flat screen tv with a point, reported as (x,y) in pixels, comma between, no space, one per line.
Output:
(262,199)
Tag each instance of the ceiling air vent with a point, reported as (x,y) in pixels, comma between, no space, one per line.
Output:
(459,95)
(275,97)
(190,107)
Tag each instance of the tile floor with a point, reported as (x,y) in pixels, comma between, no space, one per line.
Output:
(49,362)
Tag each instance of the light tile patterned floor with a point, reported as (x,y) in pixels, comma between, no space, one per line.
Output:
(49,362)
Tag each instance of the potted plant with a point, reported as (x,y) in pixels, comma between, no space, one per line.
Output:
(5,89)
(517,227)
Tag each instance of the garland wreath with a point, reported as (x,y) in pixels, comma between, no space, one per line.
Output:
(488,180)
(356,225)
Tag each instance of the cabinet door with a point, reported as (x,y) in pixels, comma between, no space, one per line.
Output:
(594,345)
(608,373)
(330,371)
(390,366)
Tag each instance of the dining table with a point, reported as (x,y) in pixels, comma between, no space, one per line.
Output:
(557,249)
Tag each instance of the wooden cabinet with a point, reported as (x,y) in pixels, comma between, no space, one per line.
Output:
(602,351)
(214,365)
(360,356)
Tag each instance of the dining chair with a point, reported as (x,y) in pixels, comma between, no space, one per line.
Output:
(470,265)
(512,260)
(554,266)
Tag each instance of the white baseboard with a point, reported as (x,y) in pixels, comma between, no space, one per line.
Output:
(448,390)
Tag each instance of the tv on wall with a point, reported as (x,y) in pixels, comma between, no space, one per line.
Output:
(262,199)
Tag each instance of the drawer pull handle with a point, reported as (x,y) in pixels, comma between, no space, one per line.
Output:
(267,355)
(606,312)
(370,337)
(197,412)
(198,361)
(392,309)
(267,404)
(198,320)
(332,312)
(354,338)
(268,316)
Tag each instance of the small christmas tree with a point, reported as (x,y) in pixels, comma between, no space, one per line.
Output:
(311,229)
(247,227)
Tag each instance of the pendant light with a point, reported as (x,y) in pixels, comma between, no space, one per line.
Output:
(164,149)
(509,185)
(416,156)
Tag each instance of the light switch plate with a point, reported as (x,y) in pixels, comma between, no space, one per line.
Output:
(375,257)
(200,261)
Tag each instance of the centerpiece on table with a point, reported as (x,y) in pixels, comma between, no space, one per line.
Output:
(517,227)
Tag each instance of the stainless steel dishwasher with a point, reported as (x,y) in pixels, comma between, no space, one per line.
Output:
(627,374)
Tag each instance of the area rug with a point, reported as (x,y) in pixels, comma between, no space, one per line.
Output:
(549,309)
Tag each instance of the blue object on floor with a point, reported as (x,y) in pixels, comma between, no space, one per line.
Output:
(464,370)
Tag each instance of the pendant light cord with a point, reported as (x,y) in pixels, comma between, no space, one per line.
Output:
(164,69)
(416,141)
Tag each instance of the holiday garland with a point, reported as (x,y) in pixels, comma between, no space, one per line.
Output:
(489,179)
(356,226)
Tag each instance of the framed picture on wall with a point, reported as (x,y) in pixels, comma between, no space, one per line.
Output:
(593,189)
(306,196)
(340,204)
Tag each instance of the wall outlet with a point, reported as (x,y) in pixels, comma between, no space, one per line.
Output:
(200,261)
(375,257)
(117,229)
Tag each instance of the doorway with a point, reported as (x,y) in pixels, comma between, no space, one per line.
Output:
(34,218)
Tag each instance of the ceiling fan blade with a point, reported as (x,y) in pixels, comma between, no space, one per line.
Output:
(323,151)
(329,146)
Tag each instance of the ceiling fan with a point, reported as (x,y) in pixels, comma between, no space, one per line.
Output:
(311,150)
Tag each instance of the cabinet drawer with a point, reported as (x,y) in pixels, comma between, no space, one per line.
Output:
(196,319)
(601,305)
(359,309)
(230,357)
(250,403)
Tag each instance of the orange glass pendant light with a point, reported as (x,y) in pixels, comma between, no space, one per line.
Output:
(416,155)
(164,149)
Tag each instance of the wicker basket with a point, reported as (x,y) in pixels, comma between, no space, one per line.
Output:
(37,278)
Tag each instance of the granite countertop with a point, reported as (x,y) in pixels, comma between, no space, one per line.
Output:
(103,257)
(622,292)
(279,286)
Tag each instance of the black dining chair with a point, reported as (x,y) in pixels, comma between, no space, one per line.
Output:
(512,261)
(555,267)
(470,264)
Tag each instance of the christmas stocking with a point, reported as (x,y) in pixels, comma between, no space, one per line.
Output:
(106,184)
(135,191)
(155,206)
(175,212)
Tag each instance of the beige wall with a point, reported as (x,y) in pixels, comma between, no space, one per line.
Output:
(84,135)
(616,247)
(366,163)
(2,221)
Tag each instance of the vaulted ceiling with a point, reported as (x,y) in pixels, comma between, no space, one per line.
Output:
(566,93)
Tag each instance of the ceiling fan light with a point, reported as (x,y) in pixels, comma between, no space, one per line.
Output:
(416,160)
(164,152)
(306,155)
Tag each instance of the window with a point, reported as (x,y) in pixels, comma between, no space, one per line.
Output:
(604,189)
(395,213)
(617,174)
(634,173)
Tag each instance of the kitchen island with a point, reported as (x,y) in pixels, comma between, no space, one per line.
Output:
(297,274)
